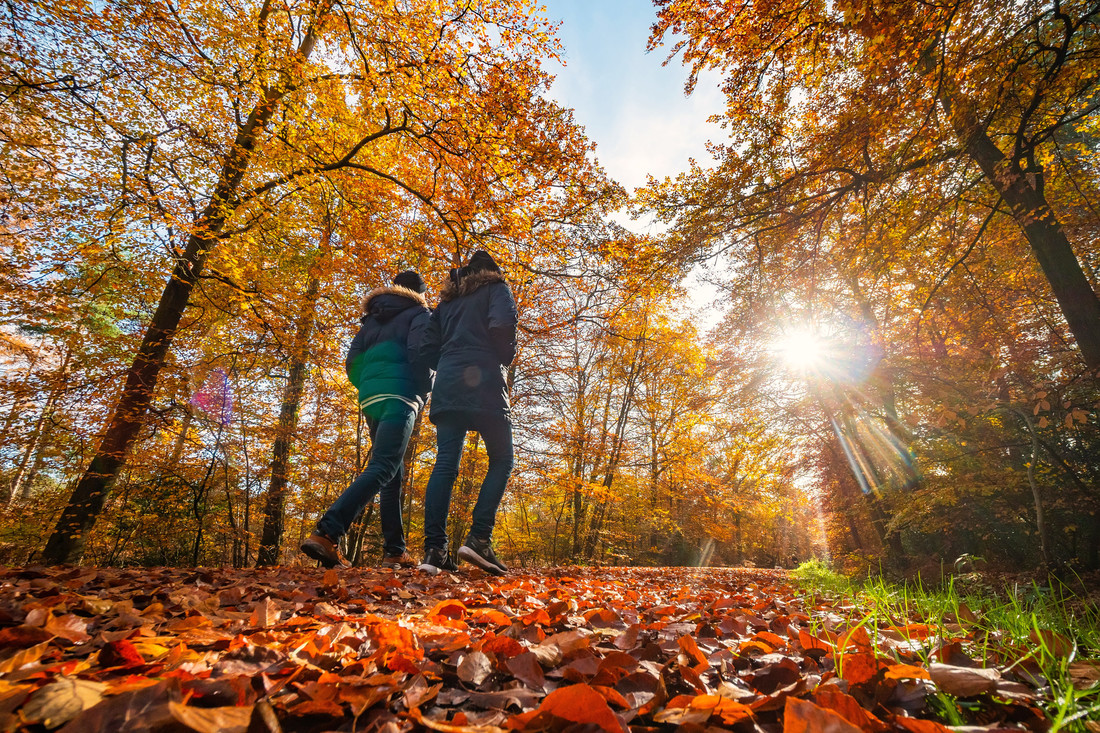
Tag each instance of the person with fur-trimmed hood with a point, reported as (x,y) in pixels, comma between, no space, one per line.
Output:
(470,341)
(393,385)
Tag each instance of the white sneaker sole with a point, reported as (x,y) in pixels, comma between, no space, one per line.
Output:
(429,569)
(470,556)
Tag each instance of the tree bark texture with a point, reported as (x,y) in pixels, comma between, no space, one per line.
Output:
(1077,300)
(66,543)
(275,506)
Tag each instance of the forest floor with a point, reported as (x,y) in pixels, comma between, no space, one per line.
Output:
(612,649)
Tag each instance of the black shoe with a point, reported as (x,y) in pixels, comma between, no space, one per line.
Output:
(436,561)
(480,553)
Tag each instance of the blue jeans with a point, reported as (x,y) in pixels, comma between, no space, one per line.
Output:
(390,426)
(451,429)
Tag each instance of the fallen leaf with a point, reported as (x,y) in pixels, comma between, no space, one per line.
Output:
(69,626)
(474,668)
(964,681)
(917,725)
(24,657)
(802,716)
(526,668)
(449,608)
(906,672)
(848,708)
(1057,645)
(858,668)
(62,700)
(265,614)
(1084,674)
(212,720)
(580,703)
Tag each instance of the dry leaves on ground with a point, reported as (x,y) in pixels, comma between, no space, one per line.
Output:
(293,649)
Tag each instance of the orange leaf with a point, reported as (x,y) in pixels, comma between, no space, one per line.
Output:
(914,631)
(858,668)
(581,703)
(916,725)
(906,672)
(809,641)
(773,640)
(450,608)
(504,647)
(857,637)
(692,650)
(757,645)
(490,616)
(801,716)
(536,617)
(731,711)
(847,707)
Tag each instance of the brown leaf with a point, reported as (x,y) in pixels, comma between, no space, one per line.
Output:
(519,697)
(1084,674)
(1056,644)
(474,668)
(265,614)
(526,668)
(69,626)
(419,692)
(23,636)
(964,681)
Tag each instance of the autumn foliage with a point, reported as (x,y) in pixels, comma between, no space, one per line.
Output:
(195,197)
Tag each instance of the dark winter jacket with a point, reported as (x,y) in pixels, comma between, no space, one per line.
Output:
(470,341)
(382,360)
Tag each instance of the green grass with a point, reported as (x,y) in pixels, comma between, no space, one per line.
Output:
(1014,622)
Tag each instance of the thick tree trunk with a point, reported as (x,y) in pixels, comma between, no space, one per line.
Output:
(66,543)
(1076,298)
(275,507)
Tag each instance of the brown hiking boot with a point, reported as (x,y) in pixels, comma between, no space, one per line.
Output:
(324,551)
(397,562)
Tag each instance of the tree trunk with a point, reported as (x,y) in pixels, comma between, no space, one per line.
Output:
(66,543)
(275,507)
(1076,298)
(32,456)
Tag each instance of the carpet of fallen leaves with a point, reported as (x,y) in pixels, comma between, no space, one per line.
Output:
(296,649)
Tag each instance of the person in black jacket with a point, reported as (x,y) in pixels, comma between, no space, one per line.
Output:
(470,341)
(393,385)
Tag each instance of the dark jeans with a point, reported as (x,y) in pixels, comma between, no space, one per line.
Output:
(451,429)
(390,427)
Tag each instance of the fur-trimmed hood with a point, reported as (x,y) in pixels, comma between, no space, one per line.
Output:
(365,304)
(470,283)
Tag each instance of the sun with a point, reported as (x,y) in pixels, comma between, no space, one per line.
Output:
(802,350)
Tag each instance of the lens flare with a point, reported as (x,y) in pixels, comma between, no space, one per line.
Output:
(802,350)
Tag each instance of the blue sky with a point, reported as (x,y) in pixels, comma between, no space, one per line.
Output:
(630,105)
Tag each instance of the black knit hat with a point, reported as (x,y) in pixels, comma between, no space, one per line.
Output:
(482,260)
(410,279)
